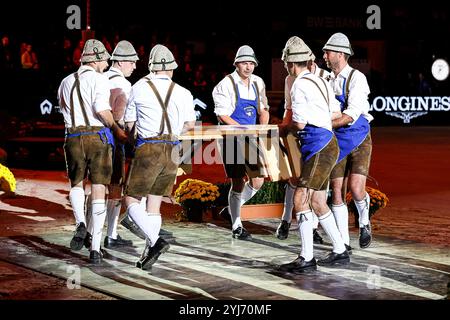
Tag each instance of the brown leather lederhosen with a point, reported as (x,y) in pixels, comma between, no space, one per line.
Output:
(159,181)
(81,146)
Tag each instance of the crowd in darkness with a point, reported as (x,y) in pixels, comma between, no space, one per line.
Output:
(32,64)
(29,76)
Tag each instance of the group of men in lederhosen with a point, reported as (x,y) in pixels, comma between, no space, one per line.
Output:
(327,111)
(102,111)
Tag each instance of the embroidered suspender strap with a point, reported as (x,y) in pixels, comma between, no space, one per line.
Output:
(234,86)
(257,97)
(347,86)
(165,116)
(323,95)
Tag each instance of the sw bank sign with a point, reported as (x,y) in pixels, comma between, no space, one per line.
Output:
(407,108)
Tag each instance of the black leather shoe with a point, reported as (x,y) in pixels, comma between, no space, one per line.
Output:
(335,259)
(119,242)
(163,232)
(95,257)
(128,223)
(283,230)
(365,236)
(241,234)
(225,215)
(317,238)
(349,249)
(151,254)
(88,241)
(299,265)
(78,238)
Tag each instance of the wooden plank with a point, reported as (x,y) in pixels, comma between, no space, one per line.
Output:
(280,156)
(294,156)
(218,131)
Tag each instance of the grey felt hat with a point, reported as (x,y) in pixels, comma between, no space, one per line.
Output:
(244,54)
(163,60)
(94,51)
(152,54)
(340,43)
(296,50)
(124,51)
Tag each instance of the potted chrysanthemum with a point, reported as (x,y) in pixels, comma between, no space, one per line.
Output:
(195,196)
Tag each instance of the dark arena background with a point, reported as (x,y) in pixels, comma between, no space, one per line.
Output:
(395,45)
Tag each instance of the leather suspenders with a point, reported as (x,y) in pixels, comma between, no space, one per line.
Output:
(164,105)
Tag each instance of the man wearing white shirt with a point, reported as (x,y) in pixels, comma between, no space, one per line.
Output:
(84,100)
(282,231)
(313,107)
(126,221)
(240,98)
(352,130)
(160,110)
(123,59)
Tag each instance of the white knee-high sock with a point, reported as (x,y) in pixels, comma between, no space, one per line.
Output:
(143,203)
(113,207)
(76,196)
(329,225)
(288,203)
(247,193)
(138,214)
(150,224)
(340,213)
(234,207)
(363,210)
(154,225)
(315,221)
(98,220)
(88,210)
(305,222)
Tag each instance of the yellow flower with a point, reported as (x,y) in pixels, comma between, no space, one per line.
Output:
(196,193)
(7,180)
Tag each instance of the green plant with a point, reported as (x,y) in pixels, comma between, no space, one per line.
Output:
(270,192)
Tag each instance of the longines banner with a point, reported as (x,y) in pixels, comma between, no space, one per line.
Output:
(390,110)
(409,108)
